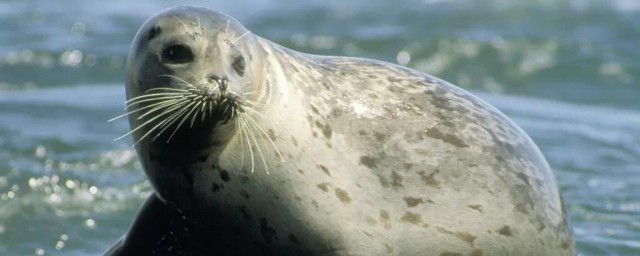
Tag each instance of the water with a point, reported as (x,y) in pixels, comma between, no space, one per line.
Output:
(567,71)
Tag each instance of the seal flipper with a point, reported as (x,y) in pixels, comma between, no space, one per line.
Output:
(146,231)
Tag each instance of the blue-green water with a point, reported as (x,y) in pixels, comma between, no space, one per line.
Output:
(567,71)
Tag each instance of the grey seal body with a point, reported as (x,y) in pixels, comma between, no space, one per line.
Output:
(285,153)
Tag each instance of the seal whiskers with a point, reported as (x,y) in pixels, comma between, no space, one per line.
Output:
(172,104)
(140,109)
(250,136)
(252,131)
(167,106)
(188,110)
(263,132)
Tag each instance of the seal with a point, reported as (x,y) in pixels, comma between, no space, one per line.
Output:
(255,149)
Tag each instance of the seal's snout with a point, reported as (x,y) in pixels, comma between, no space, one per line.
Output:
(222,82)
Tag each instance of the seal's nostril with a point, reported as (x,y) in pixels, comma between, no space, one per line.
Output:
(213,79)
(220,81)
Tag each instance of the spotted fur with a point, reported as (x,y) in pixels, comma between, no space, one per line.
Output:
(374,159)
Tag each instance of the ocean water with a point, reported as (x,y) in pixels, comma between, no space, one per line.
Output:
(567,71)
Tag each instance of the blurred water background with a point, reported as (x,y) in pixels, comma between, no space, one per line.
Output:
(567,71)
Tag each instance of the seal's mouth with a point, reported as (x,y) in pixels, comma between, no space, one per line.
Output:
(163,111)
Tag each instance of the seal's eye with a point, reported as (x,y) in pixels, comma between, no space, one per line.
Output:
(177,54)
(238,65)
(153,32)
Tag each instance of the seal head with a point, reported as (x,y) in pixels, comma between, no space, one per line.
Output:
(187,80)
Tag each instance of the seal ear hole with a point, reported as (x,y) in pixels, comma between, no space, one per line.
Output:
(177,54)
(239,65)
(153,32)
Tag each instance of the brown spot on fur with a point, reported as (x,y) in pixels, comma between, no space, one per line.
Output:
(272,134)
(326,131)
(505,231)
(215,187)
(477,253)
(541,227)
(523,177)
(368,161)
(336,112)
(269,234)
(383,181)
(396,180)
(371,221)
(384,219)
(412,201)
(224,175)
(203,158)
(324,186)
(476,207)
(343,195)
(379,136)
(523,208)
(393,80)
(324,169)
(447,124)
(525,202)
(314,109)
(464,236)
(295,142)
(315,204)
(326,86)
(412,218)
(389,248)
(245,194)
(293,239)
(245,212)
(450,254)
(447,138)
(429,180)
